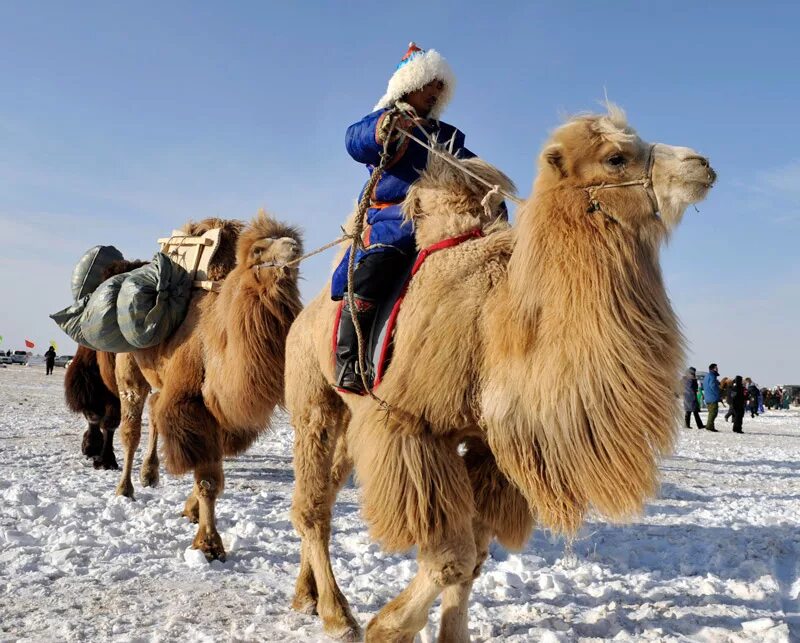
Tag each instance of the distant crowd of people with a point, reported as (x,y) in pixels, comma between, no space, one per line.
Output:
(741,394)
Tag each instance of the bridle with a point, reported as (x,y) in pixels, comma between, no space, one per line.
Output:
(646,182)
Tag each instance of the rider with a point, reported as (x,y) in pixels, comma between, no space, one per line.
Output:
(420,88)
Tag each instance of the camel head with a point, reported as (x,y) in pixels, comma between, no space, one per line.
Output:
(267,241)
(599,153)
(445,202)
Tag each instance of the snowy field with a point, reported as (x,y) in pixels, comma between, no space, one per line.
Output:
(714,559)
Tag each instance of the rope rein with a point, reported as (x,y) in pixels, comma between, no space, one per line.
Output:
(357,243)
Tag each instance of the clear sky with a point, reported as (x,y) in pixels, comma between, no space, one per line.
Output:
(119,121)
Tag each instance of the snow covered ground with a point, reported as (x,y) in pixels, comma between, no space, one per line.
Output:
(714,559)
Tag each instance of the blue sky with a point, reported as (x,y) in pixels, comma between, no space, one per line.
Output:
(119,121)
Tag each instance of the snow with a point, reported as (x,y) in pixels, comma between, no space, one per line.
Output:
(713,559)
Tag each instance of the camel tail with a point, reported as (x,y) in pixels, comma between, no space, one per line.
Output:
(84,389)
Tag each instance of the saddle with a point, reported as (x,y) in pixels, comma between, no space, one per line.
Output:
(194,255)
(380,337)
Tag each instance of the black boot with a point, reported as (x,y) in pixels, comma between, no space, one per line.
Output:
(348,376)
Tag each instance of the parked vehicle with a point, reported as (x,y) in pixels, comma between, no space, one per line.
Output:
(5,359)
(20,357)
(63,360)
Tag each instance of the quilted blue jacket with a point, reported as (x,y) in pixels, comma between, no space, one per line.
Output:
(385,219)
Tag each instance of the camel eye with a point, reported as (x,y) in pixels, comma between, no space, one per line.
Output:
(616,161)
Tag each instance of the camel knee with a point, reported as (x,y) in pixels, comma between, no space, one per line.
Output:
(311,520)
(451,563)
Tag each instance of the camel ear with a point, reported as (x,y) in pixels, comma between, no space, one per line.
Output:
(411,205)
(554,157)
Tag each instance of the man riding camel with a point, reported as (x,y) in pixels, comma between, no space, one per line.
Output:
(417,94)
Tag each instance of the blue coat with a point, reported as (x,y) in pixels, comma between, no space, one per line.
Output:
(385,218)
(711,388)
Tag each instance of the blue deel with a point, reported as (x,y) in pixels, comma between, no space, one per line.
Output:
(387,228)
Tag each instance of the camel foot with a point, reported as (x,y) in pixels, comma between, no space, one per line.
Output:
(376,633)
(350,633)
(210,544)
(107,462)
(92,443)
(149,475)
(125,488)
(305,604)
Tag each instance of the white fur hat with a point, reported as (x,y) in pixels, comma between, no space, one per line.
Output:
(417,69)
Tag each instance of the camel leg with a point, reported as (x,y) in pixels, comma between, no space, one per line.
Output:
(149,473)
(92,444)
(415,491)
(108,424)
(440,567)
(208,484)
(316,439)
(107,458)
(455,598)
(191,508)
(306,595)
(131,406)
(501,511)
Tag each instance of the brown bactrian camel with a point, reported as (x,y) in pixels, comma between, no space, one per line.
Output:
(220,375)
(512,392)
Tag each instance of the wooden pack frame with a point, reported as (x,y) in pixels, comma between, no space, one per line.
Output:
(194,254)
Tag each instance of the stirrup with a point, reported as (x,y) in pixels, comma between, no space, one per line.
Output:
(349,379)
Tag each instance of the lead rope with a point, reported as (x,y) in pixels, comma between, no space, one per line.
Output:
(357,243)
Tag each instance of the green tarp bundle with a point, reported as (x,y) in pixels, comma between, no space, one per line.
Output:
(129,311)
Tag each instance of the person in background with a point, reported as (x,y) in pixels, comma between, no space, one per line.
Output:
(691,404)
(50,360)
(752,396)
(711,393)
(736,399)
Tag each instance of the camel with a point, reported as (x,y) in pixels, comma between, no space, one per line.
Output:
(220,376)
(512,397)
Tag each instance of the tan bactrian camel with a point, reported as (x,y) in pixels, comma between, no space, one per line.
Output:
(513,387)
(220,375)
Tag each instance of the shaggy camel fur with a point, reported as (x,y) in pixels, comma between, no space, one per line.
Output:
(510,389)
(220,375)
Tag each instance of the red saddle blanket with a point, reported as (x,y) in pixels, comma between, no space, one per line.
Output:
(381,336)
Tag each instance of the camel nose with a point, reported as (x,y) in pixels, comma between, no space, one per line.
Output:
(712,175)
(704,162)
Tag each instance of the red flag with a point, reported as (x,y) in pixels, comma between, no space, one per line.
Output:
(29,344)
